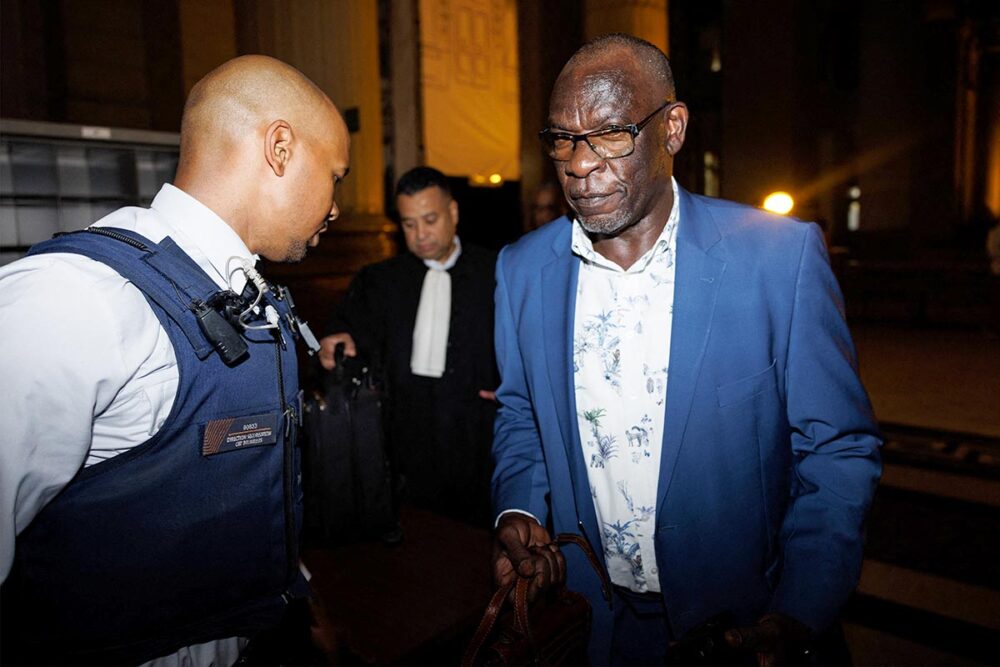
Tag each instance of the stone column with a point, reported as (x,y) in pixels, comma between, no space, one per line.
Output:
(334,43)
(404,46)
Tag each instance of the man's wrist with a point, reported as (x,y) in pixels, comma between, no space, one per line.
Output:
(514,511)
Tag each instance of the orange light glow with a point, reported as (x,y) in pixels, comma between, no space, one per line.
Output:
(779,202)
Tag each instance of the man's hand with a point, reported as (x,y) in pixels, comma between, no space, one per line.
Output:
(488,395)
(523,548)
(329,343)
(776,638)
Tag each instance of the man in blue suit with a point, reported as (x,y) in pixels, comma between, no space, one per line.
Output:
(678,385)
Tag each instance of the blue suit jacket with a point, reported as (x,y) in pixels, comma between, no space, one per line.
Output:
(770,451)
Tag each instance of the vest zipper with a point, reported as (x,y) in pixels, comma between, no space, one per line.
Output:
(287,453)
(116,236)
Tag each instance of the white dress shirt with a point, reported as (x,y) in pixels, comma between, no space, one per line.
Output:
(621,354)
(88,371)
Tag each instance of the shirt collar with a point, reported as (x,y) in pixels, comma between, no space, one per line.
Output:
(204,236)
(584,247)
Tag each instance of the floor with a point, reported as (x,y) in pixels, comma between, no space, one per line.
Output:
(414,603)
(939,378)
(930,587)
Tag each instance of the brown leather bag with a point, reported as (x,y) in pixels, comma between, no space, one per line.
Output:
(555,629)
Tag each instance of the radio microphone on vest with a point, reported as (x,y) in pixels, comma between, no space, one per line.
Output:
(220,333)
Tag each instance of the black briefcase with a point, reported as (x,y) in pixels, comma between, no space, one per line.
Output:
(347,477)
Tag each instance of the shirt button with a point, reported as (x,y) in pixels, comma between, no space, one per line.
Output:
(652,570)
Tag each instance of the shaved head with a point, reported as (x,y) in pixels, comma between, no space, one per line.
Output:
(239,95)
(264,148)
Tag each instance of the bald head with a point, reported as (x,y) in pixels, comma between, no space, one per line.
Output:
(240,95)
(264,147)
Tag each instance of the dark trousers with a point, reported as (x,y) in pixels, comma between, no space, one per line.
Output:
(641,631)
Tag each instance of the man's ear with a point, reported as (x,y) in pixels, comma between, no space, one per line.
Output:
(677,121)
(453,209)
(278,139)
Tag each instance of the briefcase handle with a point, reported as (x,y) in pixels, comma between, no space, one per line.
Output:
(520,587)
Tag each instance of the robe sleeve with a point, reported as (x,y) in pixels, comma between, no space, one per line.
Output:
(361,314)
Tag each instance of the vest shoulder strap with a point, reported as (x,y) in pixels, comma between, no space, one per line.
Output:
(162,271)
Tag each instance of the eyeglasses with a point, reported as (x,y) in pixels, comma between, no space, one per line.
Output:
(610,142)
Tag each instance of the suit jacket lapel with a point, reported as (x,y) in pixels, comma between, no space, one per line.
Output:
(559,282)
(698,276)
(558,306)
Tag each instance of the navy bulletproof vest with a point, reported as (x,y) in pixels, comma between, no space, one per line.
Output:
(190,536)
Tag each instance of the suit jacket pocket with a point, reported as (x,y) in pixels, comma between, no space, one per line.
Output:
(748,387)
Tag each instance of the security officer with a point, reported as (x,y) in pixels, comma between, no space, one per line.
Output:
(148,465)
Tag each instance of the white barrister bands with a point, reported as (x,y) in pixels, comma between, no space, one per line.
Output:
(430,331)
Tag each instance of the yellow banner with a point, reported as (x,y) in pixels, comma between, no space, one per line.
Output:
(471,113)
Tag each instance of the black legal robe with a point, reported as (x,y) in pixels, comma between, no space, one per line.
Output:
(439,430)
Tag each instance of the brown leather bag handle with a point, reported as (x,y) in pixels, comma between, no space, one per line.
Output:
(520,587)
(584,545)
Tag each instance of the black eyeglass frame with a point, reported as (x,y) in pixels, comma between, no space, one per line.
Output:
(547,136)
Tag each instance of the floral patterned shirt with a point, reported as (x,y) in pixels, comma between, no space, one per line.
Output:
(621,353)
